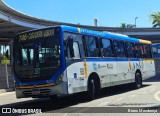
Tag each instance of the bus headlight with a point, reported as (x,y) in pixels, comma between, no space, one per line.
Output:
(59,79)
(16,84)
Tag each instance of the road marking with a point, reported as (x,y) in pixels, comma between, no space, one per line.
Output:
(156,95)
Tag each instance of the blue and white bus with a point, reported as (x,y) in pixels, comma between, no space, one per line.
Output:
(64,60)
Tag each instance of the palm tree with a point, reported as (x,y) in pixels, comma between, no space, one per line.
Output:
(155,17)
(123,25)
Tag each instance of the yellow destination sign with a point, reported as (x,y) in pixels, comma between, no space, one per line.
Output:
(36,34)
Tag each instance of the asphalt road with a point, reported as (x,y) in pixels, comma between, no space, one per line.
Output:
(116,99)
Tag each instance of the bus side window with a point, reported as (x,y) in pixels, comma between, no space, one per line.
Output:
(72,48)
(130,50)
(139,51)
(147,51)
(84,45)
(155,51)
(119,48)
(98,47)
(91,46)
(76,50)
(106,48)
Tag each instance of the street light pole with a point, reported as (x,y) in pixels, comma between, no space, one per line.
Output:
(136,22)
(95,22)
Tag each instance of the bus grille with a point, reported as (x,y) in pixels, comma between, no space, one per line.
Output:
(42,92)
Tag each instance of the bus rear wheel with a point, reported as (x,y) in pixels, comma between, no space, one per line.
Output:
(138,80)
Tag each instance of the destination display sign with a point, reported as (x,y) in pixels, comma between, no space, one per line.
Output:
(36,34)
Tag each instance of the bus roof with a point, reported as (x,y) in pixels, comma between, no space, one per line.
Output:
(104,34)
(95,33)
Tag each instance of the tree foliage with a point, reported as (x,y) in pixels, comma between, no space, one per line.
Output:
(124,25)
(155,17)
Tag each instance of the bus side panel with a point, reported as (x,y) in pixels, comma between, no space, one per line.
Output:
(77,82)
(78,77)
(124,73)
(106,70)
(149,68)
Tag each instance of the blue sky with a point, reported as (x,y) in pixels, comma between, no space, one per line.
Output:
(109,13)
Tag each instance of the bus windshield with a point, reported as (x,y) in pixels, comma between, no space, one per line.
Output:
(37,57)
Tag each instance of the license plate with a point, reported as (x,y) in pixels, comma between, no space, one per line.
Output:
(35,92)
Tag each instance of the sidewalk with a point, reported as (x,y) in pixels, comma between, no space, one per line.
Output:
(6,90)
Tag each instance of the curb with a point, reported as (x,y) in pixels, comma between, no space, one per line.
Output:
(6,90)
(155,107)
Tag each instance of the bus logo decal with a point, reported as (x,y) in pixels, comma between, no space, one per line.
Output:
(94,66)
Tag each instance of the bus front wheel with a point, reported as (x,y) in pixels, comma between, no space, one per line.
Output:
(91,89)
(138,80)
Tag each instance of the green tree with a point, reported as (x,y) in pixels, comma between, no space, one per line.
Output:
(123,25)
(131,26)
(155,17)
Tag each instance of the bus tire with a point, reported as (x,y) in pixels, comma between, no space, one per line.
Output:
(138,80)
(91,89)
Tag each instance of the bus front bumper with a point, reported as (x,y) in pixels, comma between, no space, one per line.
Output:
(38,92)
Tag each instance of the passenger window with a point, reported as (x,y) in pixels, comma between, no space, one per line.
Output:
(130,50)
(119,48)
(147,51)
(76,50)
(139,51)
(91,47)
(106,48)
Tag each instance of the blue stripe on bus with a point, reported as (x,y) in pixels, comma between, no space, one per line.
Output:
(99,34)
(68,28)
(111,59)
